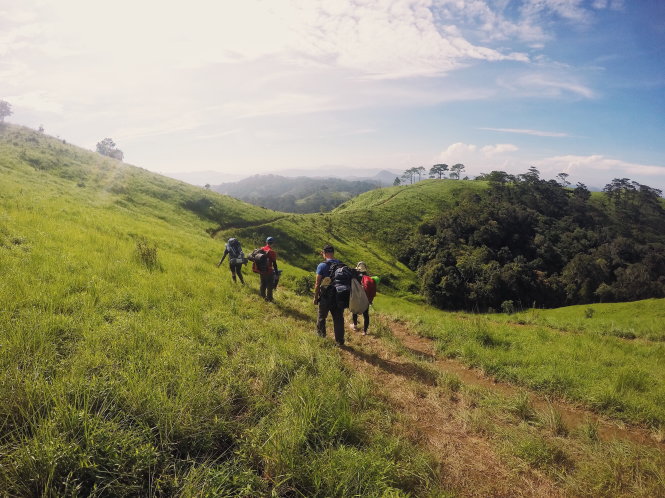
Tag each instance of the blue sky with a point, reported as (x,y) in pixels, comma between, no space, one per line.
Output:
(238,88)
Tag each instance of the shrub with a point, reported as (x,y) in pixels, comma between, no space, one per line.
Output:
(508,307)
(146,255)
(303,286)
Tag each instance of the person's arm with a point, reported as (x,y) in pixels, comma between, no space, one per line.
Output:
(317,288)
(226,251)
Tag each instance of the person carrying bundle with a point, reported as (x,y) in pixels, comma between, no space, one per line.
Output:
(369,285)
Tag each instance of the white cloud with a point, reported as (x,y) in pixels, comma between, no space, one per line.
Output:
(584,164)
(537,133)
(456,151)
(550,85)
(493,150)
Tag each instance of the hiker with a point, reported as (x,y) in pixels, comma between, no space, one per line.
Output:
(236,258)
(369,285)
(266,267)
(325,295)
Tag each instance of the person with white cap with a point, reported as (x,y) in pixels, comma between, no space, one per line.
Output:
(369,285)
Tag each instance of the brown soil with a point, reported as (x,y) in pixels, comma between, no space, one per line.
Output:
(469,463)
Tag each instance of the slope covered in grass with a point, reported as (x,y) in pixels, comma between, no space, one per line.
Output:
(635,320)
(130,365)
(372,227)
(622,379)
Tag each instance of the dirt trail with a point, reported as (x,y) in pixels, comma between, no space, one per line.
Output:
(469,463)
(571,415)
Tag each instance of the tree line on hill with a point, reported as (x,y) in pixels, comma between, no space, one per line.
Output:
(529,242)
(437,171)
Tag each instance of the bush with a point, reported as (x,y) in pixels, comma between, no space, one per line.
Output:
(303,286)
(146,255)
(508,307)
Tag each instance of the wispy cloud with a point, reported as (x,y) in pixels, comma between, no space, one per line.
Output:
(219,134)
(553,84)
(596,162)
(537,133)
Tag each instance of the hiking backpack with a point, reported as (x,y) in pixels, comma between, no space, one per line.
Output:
(341,277)
(260,259)
(236,256)
(369,284)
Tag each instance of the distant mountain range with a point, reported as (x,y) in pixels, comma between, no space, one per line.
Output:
(383,176)
(298,195)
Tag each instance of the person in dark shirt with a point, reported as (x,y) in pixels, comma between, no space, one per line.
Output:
(324,296)
(267,276)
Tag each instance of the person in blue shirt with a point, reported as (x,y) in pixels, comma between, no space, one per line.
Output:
(324,296)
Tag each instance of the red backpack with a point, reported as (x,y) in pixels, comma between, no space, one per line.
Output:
(369,285)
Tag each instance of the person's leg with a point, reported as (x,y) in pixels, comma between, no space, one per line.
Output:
(270,284)
(262,287)
(232,267)
(365,321)
(354,319)
(239,273)
(321,318)
(338,324)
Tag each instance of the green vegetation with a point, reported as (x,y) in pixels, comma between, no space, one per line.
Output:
(634,320)
(618,378)
(526,242)
(296,195)
(131,366)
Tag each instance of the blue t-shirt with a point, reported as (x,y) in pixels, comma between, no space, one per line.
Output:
(324,268)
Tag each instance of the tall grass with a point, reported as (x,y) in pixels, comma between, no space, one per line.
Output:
(622,379)
(117,379)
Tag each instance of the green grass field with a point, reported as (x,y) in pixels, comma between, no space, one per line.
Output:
(132,366)
(587,364)
(636,320)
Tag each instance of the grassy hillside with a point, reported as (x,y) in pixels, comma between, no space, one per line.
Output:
(132,366)
(561,352)
(371,227)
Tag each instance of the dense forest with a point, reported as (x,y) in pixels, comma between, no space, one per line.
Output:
(296,195)
(529,242)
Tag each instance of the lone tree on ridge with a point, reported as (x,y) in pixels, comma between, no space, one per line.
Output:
(5,110)
(107,148)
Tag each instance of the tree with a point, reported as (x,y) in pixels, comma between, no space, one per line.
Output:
(409,174)
(563,179)
(455,170)
(420,171)
(397,181)
(107,148)
(438,170)
(5,110)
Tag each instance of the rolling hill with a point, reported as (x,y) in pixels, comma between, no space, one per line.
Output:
(131,366)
